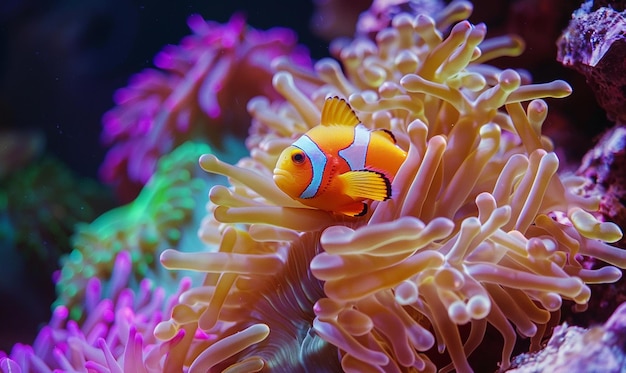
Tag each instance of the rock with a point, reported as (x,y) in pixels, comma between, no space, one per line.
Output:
(575,350)
(594,44)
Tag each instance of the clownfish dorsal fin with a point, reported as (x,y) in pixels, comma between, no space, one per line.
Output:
(337,111)
(366,184)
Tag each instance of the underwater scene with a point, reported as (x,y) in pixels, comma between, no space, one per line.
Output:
(312,186)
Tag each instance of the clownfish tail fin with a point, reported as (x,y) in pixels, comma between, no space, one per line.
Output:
(363,211)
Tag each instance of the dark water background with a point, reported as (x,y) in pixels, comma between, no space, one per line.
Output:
(61,61)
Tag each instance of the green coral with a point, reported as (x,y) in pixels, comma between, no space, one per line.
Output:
(40,205)
(166,214)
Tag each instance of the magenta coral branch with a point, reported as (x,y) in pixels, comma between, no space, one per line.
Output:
(217,67)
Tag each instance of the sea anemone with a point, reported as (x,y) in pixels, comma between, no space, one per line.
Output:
(481,228)
(217,67)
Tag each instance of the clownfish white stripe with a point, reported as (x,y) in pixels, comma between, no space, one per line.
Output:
(318,162)
(356,153)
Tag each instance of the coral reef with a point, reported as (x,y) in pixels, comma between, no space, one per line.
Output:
(107,306)
(482,233)
(41,201)
(44,201)
(116,336)
(481,229)
(164,215)
(217,67)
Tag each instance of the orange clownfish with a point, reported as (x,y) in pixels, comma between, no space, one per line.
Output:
(339,164)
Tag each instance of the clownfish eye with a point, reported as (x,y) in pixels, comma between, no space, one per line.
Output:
(297,157)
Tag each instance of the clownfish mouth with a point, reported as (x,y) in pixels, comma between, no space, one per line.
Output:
(283,178)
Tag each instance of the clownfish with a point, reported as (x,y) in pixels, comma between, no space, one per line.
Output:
(339,164)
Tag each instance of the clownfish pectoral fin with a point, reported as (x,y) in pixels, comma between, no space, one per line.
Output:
(354,209)
(366,184)
(337,111)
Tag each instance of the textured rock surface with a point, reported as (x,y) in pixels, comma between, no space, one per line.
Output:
(595,45)
(572,349)
(605,168)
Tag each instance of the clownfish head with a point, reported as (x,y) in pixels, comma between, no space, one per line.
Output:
(293,172)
